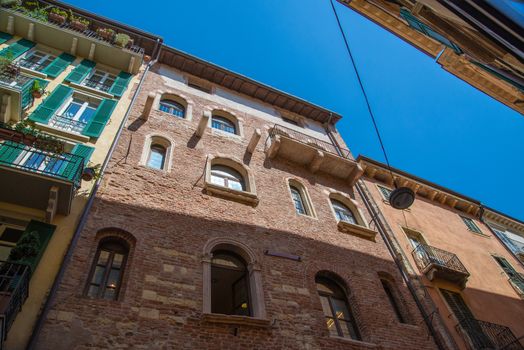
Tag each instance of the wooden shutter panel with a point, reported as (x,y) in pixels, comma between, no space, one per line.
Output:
(16,49)
(9,151)
(70,168)
(46,109)
(80,72)
(120,84)
(99,120)
(58,65)
(44,232)
(4,37)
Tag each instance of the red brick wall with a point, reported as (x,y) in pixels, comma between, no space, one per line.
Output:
(171,218)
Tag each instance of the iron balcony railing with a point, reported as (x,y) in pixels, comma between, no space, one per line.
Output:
(31,64)
(14,289)
(64,166)
(67,124)
(309,140)
(95,84)
(482,335)
(517,280)
(90,32)
(426,255)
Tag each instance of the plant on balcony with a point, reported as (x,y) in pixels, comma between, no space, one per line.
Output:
(92,172)
(122,40)
(36,90)
(57,15)
(8,67)
(106,33)
(31,136)
(10,3)
(78,23)
(27,247)
(31,4)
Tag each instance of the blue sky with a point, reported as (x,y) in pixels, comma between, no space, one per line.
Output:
(434,125)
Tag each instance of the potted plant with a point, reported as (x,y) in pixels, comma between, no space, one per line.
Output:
(121,40)
(91,172)
(78,23)
(31,4)
(57,15)
(36,90)
(106,33)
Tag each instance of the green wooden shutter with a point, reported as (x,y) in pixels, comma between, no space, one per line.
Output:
(4,37)
(9,151)
(44,232)
(71,166)
(120,84)
(58,65)
(16,49)
(99,120)
(46,109)
(80,72)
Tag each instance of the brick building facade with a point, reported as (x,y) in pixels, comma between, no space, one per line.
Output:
(173,225)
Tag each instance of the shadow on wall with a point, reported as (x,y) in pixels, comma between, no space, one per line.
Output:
(160,304)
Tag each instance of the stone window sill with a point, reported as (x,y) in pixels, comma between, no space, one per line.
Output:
(236,320)
(63,133)
(33,72)
(354,341)
(357,230)
(234,195)
(479,233)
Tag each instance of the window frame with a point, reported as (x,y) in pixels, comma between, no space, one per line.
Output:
(218,119)
(227,177)
(45,56)
(475,229)
(172,106)
(58,120)
(164,155)
(304,196)
(381,190)
(108,267)
(106,75)
(161,140)
(392,295)
(335,203)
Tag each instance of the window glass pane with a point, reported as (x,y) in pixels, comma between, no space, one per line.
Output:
(223,124)
(98,275)
(172,107)
(218,180)
(113,279)
(297,199)
(87,115)
(72,109)
(102,259)
(117,260)
(110,293)
(156,157)
(235,185)
(348,330)
(341,309)
(332,327)
(92,291)
(325,306)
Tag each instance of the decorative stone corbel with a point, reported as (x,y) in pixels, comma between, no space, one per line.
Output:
(316,162)
(202,125)
(254,141)
(148,106)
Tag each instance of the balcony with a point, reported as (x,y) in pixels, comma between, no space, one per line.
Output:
(37,178)
(317,155)
(68,37)
(438,263)
(15,93)
(14,286)
(487,335)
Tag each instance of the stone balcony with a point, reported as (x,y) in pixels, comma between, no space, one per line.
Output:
(316,154)
(436,263)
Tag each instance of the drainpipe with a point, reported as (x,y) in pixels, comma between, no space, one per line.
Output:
(390,246)
(67,258)
(481,218)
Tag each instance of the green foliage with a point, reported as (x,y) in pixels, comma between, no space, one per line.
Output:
(105,31)
(36,86)
(5,61)
(122,39)
(42,141)
(27,247)
(10,2)
(59,12)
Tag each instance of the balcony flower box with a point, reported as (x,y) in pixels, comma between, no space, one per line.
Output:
(57,16)
(106,34)
(80,24)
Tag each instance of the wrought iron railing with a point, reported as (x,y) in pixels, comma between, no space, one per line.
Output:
(89,32)
(425,255)
(14,289)
(309,140)
(95,84)
(13,80)
(486,335)
(31,64)
(67,124)
(64,166)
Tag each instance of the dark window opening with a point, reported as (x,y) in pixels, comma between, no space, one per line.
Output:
(106,273)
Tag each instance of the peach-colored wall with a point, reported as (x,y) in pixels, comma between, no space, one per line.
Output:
(488,292)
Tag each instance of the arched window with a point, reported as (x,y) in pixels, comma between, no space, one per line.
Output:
(108,266)
(157,157)
(227,177)
(224,124)
(229,284)
(342,212)
(298,201)
(339,318)
(391,294)
(173,108)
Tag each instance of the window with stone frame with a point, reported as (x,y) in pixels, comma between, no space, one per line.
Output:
(157,157)
(107,271)
(225,176)
(172,107)
(343,213)
(470,224)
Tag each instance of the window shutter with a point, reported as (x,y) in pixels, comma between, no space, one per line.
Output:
(16,49)
(9,151)
(4,37)
(58,65)
(80,72)
(102,115)
(70,168)
(46,109)
(43,233)
(120,84)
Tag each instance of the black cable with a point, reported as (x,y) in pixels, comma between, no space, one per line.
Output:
(363,91)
